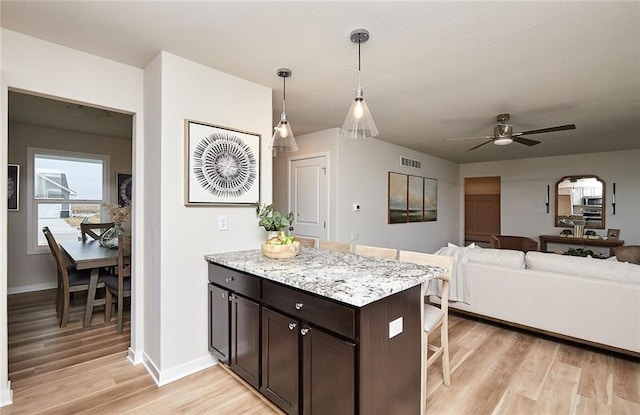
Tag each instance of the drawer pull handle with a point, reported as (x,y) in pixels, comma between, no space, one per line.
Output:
(223,295)
(292,326)
(304,331)
(299,306)
(230,279)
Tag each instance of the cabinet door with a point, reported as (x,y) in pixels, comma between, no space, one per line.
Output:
(219,322)
(328,376)
(280,367)
(245,339)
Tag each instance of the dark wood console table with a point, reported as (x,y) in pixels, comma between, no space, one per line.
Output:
(557,239)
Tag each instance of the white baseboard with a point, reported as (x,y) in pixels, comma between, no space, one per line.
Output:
(6,395)
(30,288)
(162,378)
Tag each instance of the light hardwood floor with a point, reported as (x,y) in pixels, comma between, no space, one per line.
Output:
(495,370)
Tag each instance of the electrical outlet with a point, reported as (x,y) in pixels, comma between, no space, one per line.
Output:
(355,236)
(395,327)
(223,223)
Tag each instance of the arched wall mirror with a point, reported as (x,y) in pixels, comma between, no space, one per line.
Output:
(580,197)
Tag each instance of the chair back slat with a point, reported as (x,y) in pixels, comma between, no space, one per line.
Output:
(335,246)
(124,257)
(388,253)
(310,242)
(89,229)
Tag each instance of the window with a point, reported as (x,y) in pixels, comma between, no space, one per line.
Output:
(65,189)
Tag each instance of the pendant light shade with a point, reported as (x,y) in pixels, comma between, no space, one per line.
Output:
(359,122)
(283,139)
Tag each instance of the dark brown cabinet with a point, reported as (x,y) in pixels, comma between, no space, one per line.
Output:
(280,362)
(325,363)
(245,339)
(219,328)
(328,373)
(314,356)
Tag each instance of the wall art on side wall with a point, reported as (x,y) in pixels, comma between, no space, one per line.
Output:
(412,198)
(13,187)
(222,165)
(124,182)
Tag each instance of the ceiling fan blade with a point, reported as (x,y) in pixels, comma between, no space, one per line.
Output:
(480,145)
(486,137)
(525,141)
(550,129)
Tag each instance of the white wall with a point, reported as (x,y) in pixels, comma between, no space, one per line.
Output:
(38,271)
(30,64)
(363,167)
(524,183)
(358,173)
(187,90)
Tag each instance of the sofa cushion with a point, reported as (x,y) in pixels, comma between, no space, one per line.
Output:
(501,257)
(586,267)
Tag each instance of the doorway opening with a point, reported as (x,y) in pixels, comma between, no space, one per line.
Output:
(481,209)
(36,343)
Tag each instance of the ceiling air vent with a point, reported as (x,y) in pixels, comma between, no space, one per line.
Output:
(410,163)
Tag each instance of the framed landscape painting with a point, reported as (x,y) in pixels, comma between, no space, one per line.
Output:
(222,165)
(412,198)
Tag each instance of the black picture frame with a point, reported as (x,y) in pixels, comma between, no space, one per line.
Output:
(222,165)
(13,188)
(613,234)
(124,182)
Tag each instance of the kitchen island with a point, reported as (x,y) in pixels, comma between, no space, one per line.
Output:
(324,332)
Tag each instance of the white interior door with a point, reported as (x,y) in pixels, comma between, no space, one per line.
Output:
(308,196)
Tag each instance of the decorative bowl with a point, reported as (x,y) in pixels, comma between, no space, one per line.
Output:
(281,251)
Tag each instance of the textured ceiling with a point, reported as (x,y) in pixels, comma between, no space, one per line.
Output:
(432,70)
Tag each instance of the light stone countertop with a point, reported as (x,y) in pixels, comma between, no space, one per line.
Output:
(352,279)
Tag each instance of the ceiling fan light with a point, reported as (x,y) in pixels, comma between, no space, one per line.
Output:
(502,141)
(502,134)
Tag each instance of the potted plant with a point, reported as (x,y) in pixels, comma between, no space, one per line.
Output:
(272,220)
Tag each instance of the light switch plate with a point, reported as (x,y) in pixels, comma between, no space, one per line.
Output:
(223,223)
(395,327)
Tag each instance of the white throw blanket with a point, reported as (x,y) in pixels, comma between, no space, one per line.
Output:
(458,285)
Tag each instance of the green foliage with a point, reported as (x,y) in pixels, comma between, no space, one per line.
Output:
(272,220)
(584,252)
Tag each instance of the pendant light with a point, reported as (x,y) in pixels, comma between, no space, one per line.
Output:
(359,123)
(283,139)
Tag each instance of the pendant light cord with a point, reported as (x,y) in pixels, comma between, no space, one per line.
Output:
(284,94)
(359,42)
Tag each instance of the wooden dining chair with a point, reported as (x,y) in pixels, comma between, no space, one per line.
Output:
(119,285)
(70,280)
(94,230)
(434,316)
(335,246)
(310,242)
(389,253)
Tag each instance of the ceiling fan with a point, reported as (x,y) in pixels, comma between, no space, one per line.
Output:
(503,133)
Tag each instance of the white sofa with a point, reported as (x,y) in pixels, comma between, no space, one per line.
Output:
(585,299)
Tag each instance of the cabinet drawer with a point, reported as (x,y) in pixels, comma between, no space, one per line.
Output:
(235,281)
(321,312)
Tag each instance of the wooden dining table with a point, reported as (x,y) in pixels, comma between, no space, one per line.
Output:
(89,255)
